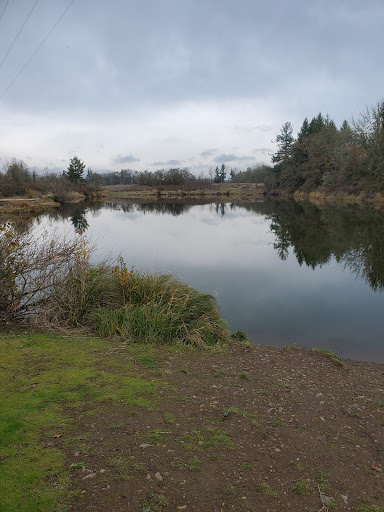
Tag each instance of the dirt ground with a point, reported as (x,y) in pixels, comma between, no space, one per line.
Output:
(251,429)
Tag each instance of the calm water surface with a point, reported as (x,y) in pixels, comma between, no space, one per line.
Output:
(282,272)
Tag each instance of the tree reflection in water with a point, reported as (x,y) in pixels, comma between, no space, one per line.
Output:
(353,236)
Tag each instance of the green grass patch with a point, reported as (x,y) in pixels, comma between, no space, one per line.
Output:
(41,377)
(158,436)
(331,355)
(321,478)
(244,466)
(154,503)
(301,487)
(193,464)
(278,422)
(233,410)
(148,361)
(211,437)
(266,490)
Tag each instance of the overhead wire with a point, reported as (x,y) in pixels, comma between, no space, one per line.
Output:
(2,14)
(19,32)
(37,49)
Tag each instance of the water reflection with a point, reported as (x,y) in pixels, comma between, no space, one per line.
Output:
(282,269)
(354,237)
(314,235)
(79,220)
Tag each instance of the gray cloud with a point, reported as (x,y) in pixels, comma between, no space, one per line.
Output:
(167,163)
(207,153)
(224,158)
(125,159)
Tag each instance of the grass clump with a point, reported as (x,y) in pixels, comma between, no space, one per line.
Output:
(321,478)
(210,437)
(136,306)
(154,503)
(239,336)
(301,487)
(331,355)
(161,309)
(266,490)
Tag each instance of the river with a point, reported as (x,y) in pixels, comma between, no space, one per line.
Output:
(283,272)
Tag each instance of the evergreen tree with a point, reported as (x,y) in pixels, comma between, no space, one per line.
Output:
(217,178)
(75,170)
(284,142)
(316,124)
(304,131)
(223,173)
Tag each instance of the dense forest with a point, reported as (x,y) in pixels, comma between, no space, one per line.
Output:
(348,158)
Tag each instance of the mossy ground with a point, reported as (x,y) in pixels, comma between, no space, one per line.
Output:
(96,424)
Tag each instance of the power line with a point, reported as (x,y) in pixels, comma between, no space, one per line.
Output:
(2,14)
(19,32)
(37,49)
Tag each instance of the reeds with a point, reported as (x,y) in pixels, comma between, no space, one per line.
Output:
(137,306)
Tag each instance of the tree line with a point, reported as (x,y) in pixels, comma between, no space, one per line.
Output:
(321,155)
(350,157)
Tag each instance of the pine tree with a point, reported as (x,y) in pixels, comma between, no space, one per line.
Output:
(75,170)
(217,178)
(223,173)
(304,131)
(284,142)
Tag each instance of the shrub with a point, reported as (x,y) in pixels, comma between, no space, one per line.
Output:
(29,269)
(139,306)
(159,308)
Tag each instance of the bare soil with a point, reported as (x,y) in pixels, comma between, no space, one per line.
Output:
(248,429)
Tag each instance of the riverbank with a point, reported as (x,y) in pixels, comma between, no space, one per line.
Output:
(15,205)
(224,191)
(342,198)
(97,424)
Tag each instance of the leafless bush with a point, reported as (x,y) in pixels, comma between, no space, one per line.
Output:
(29,269)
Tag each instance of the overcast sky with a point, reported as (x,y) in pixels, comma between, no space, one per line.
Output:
(151,84)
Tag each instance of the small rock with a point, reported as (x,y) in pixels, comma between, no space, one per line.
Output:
(326,500)
(91,475)
(102,470)
(76,454)
(182,507)
(159,477)
(149,476)
(144,445)
(322,419)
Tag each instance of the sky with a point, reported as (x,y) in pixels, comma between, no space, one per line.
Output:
(178,83)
